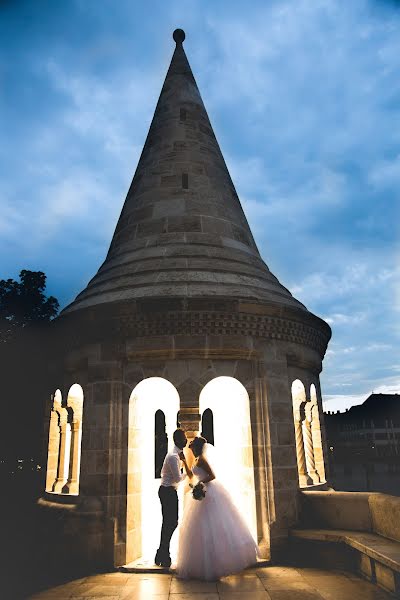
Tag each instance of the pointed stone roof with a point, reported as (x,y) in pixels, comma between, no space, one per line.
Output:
(182,231)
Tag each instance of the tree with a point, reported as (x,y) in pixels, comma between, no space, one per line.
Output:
(24,304)
(25,316)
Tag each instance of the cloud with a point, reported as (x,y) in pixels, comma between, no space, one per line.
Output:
(304,100)
(339,318)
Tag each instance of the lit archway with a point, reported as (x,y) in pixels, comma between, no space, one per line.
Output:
(160,442)
(316,434)
(64,449)
(53,449)
(302,414)
(228,401)
(207,425)
(143,506)
(299,401)
(75,411)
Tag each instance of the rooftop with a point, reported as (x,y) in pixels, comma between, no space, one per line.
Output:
(182,231)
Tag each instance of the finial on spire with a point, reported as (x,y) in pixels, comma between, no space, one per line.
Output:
(179,36)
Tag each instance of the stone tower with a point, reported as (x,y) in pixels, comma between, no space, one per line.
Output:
(183,322)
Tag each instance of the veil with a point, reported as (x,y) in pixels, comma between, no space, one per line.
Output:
(211,456)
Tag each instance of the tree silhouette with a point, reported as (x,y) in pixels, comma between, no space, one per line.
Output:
(24,303)
(25,316)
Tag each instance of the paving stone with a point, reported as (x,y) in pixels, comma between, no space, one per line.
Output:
(179,586)
(108,579)
(281,572)
(270,583)
(49,596)
(282,583)
(237,583)
(243,595)
(97,598)
(195,596)
(296,595)
(95,589)
(150,586)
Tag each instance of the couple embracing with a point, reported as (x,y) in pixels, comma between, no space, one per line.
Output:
(214,540)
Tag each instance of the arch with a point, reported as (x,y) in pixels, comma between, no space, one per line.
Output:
(75,412)
(160,442)
(207,425)
(232,435)
(316,433)
(53,447)
(302,414)
(299,401)
(64,448)
(64,439)
(143,507)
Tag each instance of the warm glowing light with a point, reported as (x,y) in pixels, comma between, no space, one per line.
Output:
(54,442)
(75,402)
(229,402)
(148,396)
(298,393)
(64,449)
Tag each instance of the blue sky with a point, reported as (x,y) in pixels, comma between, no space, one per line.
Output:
(304,97)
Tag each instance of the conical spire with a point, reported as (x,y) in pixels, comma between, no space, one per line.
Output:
(182,231)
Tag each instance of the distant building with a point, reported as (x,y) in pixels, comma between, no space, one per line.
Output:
(364,445)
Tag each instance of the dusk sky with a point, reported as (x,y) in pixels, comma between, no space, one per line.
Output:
(304,98)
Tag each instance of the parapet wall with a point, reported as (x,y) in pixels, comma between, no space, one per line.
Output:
(356,511)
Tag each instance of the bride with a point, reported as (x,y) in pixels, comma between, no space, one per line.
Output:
(214,540)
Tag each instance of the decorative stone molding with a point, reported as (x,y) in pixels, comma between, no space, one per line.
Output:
(122,321)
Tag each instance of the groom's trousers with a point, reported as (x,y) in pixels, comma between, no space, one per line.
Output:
(169,507)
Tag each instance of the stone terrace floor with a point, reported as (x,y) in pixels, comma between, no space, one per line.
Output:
(267,583)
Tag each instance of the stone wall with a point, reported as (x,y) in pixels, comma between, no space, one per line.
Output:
(265,368)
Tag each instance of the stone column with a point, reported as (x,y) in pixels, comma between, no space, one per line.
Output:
(52,451)
(72,485)
(189,414)
(304,478)
(262,463)
(190,423)
(309,449)
(63,457)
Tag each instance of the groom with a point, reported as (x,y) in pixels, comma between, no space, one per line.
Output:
(171,476)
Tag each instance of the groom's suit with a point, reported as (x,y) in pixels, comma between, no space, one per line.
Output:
(171,476)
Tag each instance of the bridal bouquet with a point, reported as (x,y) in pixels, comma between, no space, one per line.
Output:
(199,491)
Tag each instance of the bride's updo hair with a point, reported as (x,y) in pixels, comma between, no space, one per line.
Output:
(198,444)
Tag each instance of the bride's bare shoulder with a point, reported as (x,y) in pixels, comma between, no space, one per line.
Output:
(203,462)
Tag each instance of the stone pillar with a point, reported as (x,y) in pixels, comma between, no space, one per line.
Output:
(309,449)
(283,483)
(63,456)
(304,478)
(189,414)
(261,460)
(52,451)
(72,485)
(190,423)
(189,418)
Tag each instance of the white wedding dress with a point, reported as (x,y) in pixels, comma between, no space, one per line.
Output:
(214,540)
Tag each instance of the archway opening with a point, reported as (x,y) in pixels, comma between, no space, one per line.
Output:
(228,402)
(317,434)
(207,425)
(299,401)
(64,449)
(53,450)
(75,411)
(160,442)
(153,407)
